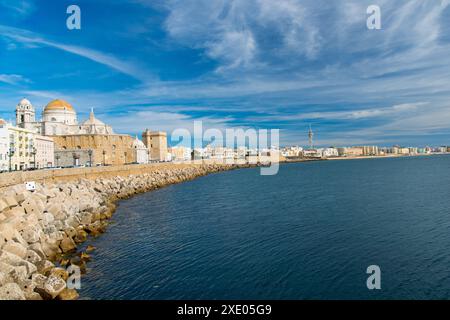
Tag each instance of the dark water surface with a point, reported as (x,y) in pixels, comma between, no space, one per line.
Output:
(309,232)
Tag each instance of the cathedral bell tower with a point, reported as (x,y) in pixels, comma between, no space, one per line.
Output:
(25,114)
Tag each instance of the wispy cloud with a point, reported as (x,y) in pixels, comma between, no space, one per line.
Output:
(13,79)
(262,63)
(396,110)
(30,38)
(137,122)
(18,7)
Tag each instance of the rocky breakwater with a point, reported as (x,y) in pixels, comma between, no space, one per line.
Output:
(40,230)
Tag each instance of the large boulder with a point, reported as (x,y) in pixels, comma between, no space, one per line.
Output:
(6,268)
(21,196)
(47,218)
(17,223)
(85,218)
(54,286)
(27,286)
(39,195)
(11,291)
(3,240)
(14,214)
(3,205)
(34,296)
(81,236)
(45,267)
(50,249)
(19,273)
(4,278)
(39,280)
(61,273)
(71,232)
(31,207)
(11,201)
(56,210)
(50,229)
(19,188)
(67,245)
(16,248)
(68,294)
(73,221)
(10,258)
(31,234)
(33,257)
(37,247)
(8,233)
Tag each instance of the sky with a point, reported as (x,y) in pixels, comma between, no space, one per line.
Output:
(261,64)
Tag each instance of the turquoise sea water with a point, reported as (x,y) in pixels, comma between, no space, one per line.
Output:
(309,232)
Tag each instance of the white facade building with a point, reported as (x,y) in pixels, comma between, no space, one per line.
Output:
(4,146)
(45,152)
(294,151)
(142,153)
(180,153)
(330,152)
(27,147)
(22,143)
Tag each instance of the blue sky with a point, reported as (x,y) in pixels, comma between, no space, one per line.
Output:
(239,63)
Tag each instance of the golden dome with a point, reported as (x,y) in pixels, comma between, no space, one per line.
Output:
(59,104)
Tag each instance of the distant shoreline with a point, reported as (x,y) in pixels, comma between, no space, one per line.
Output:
(362,157)
(388,156)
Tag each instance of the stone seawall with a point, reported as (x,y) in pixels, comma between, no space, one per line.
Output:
(9,179)
(40,230)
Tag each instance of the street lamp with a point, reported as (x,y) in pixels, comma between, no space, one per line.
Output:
(33,153)
(104,157)
(90,157)
(10,155)
(57,157)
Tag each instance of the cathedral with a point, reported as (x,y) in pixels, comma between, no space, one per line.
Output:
(58,118)
(91,142)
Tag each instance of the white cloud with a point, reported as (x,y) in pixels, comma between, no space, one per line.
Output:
(29,38)
(18,7)
(136,122)
(314,56)
(13,79)
(227,30)
(352,115)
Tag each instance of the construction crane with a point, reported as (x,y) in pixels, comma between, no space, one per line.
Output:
(311,137)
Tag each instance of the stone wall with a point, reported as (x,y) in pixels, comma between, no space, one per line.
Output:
(8,179)
(74,157)
(40,230)
(113,149)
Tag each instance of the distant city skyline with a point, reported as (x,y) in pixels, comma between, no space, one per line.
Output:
(249,64)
